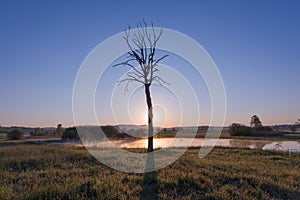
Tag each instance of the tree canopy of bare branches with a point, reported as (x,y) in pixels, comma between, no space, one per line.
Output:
(142,55)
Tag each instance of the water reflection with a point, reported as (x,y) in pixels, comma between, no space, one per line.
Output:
(292,146)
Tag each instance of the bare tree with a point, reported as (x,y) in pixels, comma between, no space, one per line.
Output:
(143,61)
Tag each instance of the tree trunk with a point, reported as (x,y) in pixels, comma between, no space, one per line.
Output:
(150,117)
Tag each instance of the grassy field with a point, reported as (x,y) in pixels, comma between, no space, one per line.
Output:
(68,172)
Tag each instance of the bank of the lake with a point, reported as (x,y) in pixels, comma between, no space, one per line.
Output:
(70,172)
(266,144)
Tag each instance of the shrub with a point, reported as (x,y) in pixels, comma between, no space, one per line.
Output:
(236,129)
(41,132)
(110,131)
(70,134)
(263,129)
(15,134)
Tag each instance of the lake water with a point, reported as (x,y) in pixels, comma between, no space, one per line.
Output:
(291,146)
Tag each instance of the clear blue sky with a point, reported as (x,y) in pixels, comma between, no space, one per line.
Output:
(255,44)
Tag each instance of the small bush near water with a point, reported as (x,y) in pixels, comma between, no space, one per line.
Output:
(240,130)
(15,134)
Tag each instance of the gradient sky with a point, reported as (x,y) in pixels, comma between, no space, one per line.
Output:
(255,44)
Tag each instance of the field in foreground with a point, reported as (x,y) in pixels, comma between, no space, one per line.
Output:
(68,172)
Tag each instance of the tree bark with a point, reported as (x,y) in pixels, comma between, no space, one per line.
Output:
(150,118)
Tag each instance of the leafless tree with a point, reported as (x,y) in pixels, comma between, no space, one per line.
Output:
(143,61)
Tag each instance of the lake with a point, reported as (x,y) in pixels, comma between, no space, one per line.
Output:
(291,146)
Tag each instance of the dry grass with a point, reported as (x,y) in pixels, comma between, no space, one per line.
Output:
(60,172)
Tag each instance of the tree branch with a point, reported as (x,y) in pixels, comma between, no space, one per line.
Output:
(130,65)
(142,49)
(159,80)
(158,60)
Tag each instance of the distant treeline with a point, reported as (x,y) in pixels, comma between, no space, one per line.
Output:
(26,130)
(93,133)
(135,131)
(241,130)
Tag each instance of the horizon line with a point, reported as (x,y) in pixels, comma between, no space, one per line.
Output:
(28,126)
